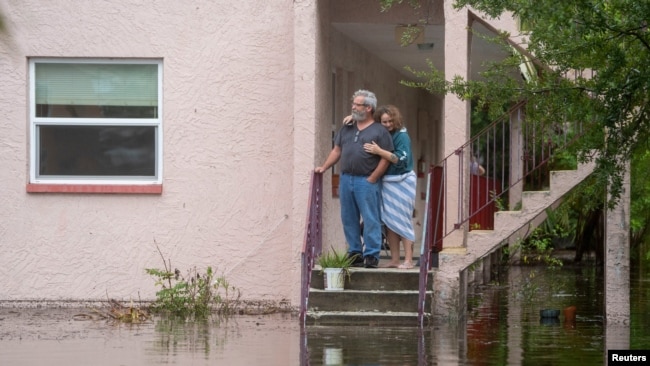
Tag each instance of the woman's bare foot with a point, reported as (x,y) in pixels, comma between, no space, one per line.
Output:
(406,265)
(391,265)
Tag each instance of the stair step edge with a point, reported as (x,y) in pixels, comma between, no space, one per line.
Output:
(350,291)
(364,313)
(400,271)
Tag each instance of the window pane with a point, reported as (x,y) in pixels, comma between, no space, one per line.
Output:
(96,90)
(96,151)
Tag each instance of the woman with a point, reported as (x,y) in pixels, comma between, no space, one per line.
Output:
(398,187)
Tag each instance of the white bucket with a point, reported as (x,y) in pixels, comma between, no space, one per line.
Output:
(333,356)
(334,279)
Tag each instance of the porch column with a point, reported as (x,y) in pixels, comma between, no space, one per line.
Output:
(456,117)
(311,77)
(516,153)
(617,258)
(516,174)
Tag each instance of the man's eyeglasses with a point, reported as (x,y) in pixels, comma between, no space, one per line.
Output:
(358,104)
(356,136)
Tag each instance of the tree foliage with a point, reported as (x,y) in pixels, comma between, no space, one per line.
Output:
(640,199)
(592,60)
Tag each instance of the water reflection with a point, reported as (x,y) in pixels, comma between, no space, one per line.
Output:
(52,337)
(174,336)
(366,345)
(507,326)
(241,340)
(504,327)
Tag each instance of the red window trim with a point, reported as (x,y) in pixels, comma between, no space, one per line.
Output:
(94,188)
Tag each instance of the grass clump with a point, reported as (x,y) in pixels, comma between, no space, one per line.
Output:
(196,295)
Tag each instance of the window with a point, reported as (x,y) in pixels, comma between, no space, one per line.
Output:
(95,122)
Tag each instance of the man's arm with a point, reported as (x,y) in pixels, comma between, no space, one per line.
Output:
(332,159)
(379,171)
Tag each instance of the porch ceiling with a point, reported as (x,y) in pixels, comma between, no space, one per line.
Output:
(379,40)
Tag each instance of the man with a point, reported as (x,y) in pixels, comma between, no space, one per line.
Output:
(359,182)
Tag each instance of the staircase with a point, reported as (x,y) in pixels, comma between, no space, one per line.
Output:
(391,296)
(371,297)
(461,268)
(515,224)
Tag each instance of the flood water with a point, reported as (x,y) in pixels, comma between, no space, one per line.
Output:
(503,328)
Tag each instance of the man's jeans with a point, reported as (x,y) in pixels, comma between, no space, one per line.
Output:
(361,199)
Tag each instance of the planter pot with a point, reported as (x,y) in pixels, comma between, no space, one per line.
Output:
(334,279)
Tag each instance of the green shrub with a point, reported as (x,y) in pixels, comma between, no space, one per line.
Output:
(196,295)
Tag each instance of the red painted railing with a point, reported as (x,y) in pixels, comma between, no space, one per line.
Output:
(481,206)
(313,243)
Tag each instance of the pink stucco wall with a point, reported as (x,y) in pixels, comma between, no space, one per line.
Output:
(246,117)
(228,176)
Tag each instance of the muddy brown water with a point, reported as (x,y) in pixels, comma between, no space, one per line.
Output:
(503,328)
(55,337)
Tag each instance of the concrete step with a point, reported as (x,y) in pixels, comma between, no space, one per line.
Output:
(515,224)
(364,301)
(473,263)
(381,279)
(362,318)
(381,296)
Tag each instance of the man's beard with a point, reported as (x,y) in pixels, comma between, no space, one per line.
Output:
(359,115)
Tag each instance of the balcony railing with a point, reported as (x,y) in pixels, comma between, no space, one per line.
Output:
(514,155)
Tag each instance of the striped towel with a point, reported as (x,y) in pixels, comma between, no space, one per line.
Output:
(398,201)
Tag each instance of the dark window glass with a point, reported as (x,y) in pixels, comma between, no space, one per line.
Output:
(99,151)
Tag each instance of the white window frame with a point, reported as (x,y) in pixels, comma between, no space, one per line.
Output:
(42,121)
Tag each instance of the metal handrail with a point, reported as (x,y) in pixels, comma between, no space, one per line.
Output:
(534,148)
(532,145)
(313,243)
